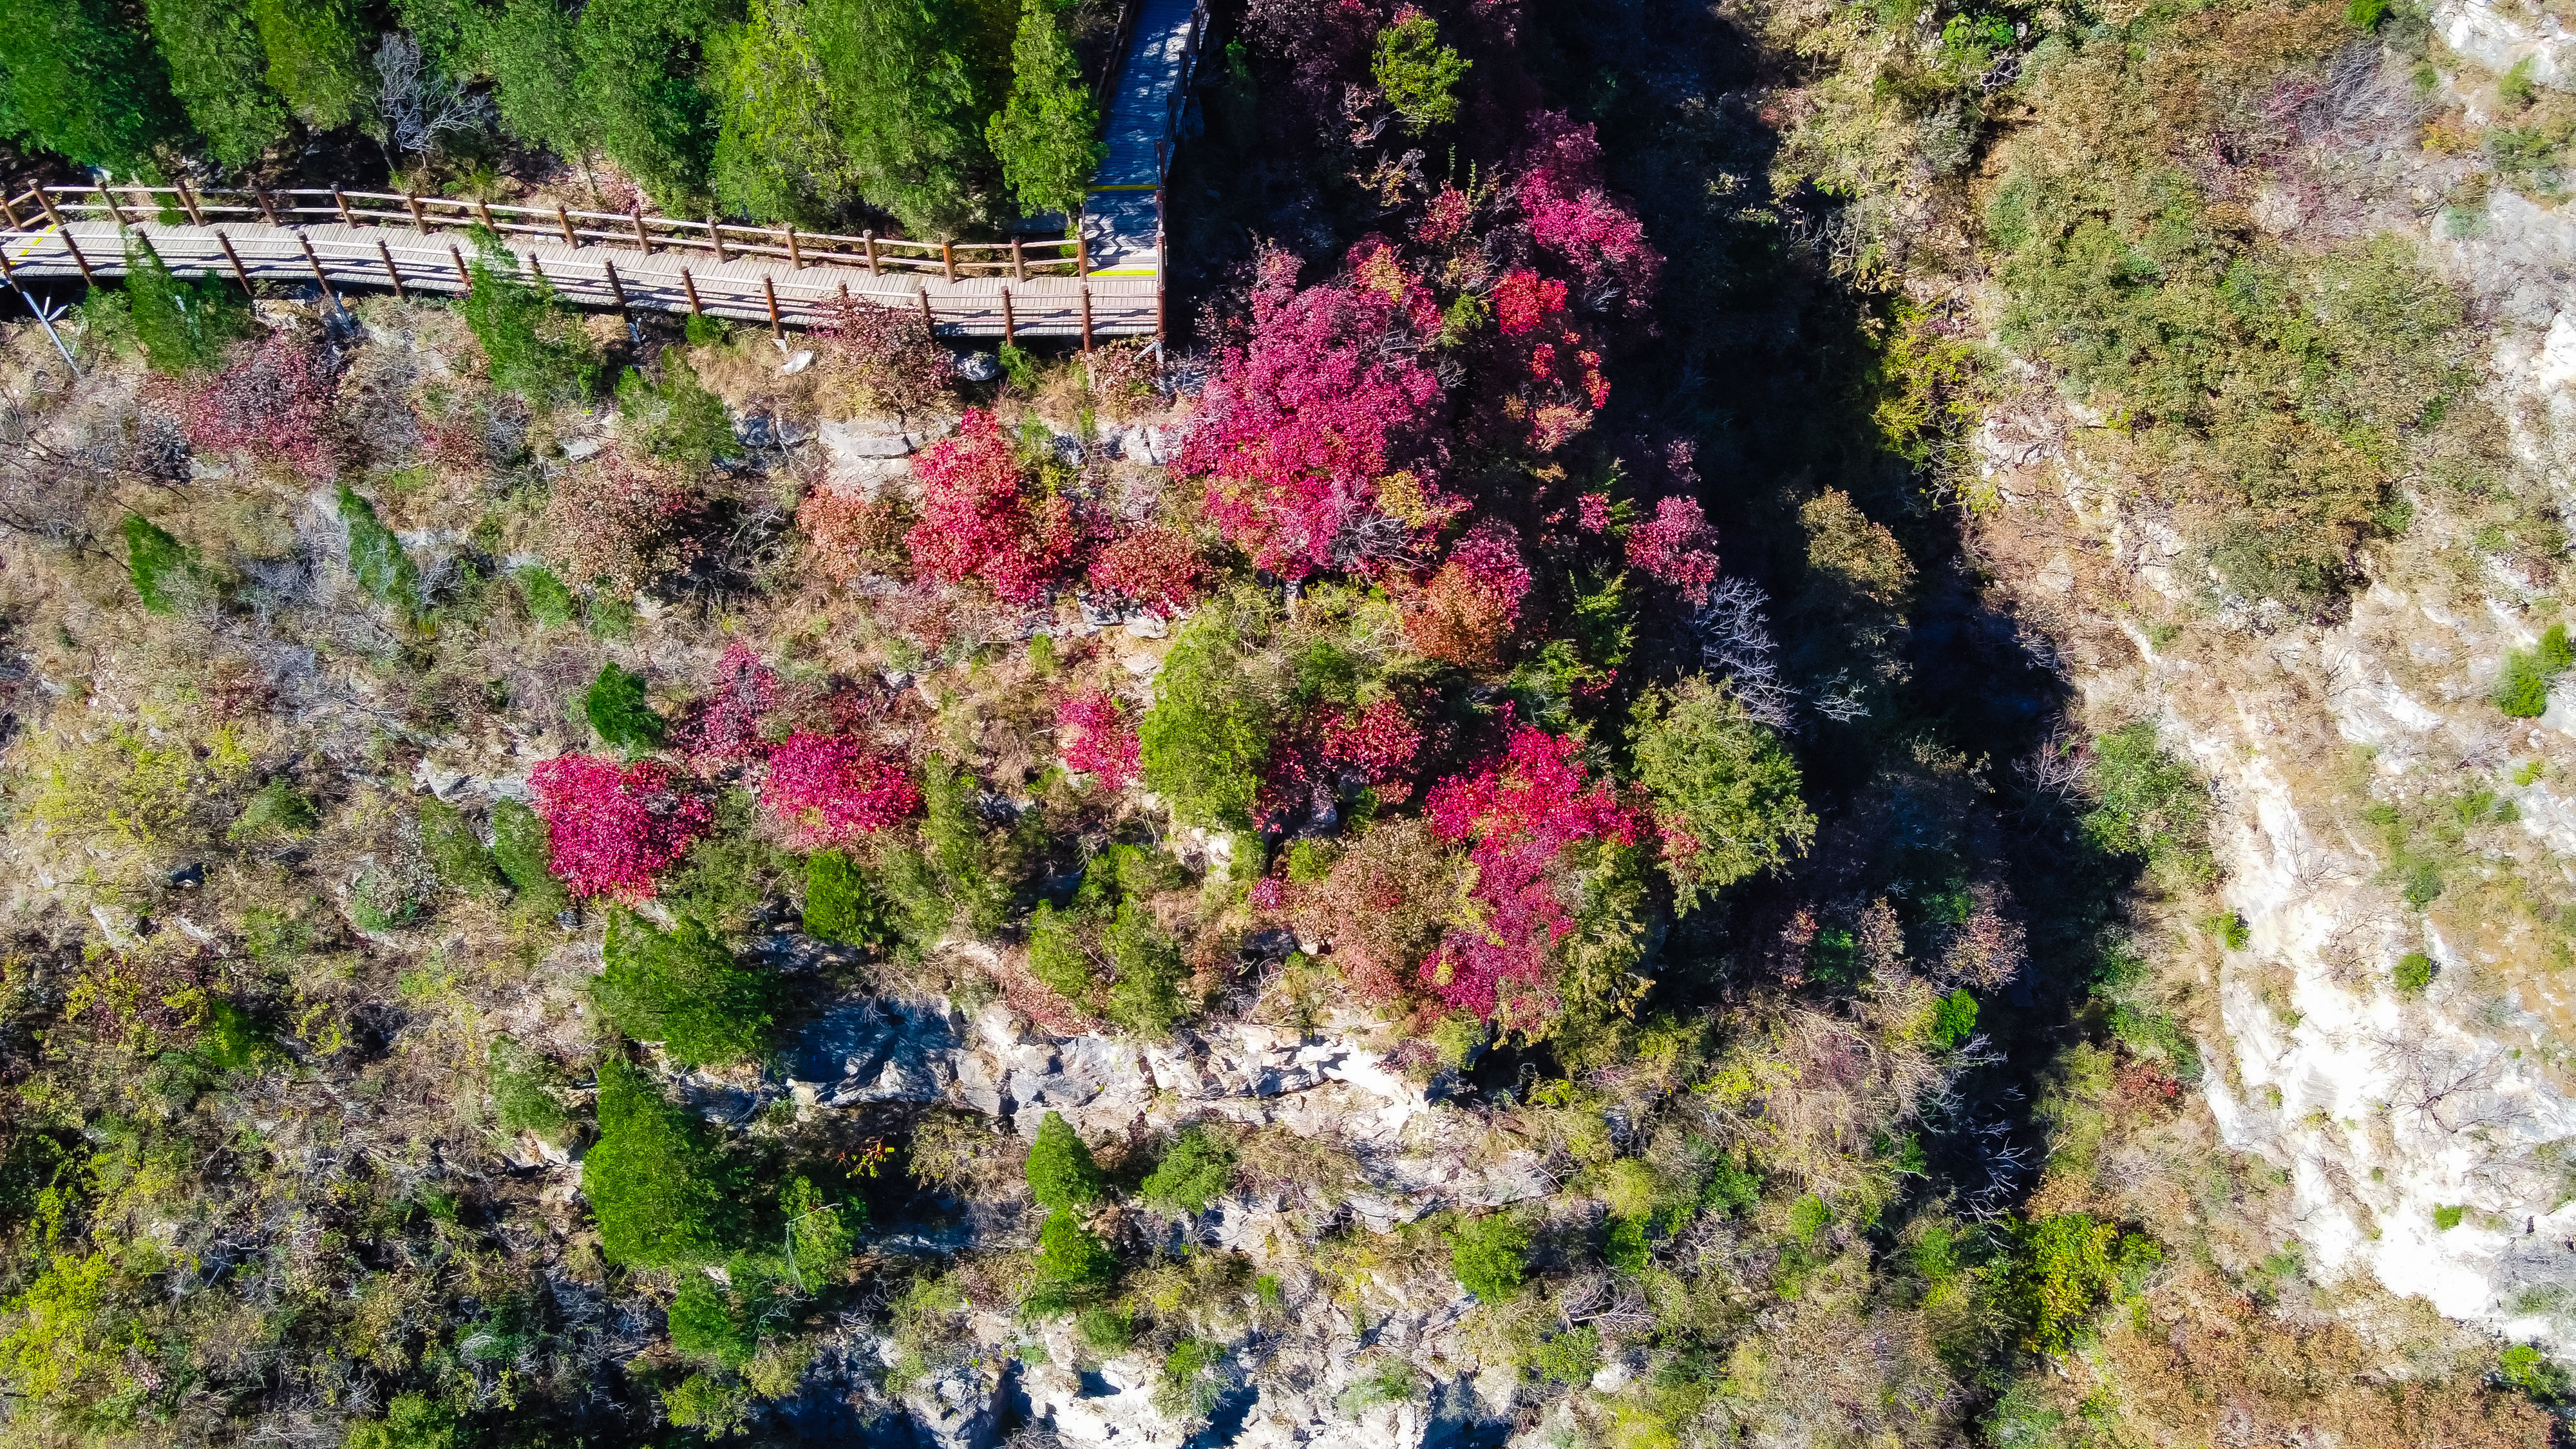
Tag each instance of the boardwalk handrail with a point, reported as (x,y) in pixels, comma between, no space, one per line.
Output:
(1018,258)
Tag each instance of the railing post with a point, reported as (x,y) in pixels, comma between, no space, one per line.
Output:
(464,275)
(871,239)
(616,289)
(483,209)
(11,212)
(45,198)
(1081,251)
(689,285)
(107,199)
(1010,327)
(234,257)
(1086,319)
(267,208)
(1019,262)
(643,238)
(320,278)
(563,219)
(542,279)
(412,200)
(948,257)
(72,244)
(187,203)
(715,234)
(341,202)
(1162,320)
(795,257)
(770,292)
(929,321)
(392,272)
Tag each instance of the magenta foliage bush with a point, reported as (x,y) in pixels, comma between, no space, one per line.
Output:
(1571,213)
(274,401)
(1677,547)
(980,519)
(1523,299)
(1520,815)
(612,828)
(1468,608)
(831,789)
(1299,426)
(724,727)
(1328,752)
(1098,738)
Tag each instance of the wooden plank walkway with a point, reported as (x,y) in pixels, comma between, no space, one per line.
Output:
(596,274)
(1123,219)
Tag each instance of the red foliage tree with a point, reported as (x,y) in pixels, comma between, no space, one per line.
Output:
(274,401)
(831,789)
(1523,299)
(1098,739)
(1469,607)
(1677,547)
(1521,815)
(1571,213)
(1301,428)
(612,828)
(1157,566)
(1328,752)
(981,519)
(723,728)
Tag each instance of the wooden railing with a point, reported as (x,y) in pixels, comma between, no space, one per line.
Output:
(1017,258)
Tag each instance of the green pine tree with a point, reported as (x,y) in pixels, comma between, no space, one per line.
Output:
(217,67)
(1048,137)
(314,58)
(1062,1177)
(776,158)
(527,49)
(77,82)
(902,100)
(640,61)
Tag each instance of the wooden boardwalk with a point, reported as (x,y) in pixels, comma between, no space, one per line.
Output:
(1123,220)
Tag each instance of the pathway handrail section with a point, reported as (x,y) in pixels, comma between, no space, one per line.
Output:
(1018,258)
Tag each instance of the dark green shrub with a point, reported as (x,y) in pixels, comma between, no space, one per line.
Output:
(1489,1256)
(216,65)
(2528,1369)
(616,708)
(903,106)
(164,570)
(1189,1386)
(2068,1264)
(1047,136)
(1144,994)
(519,848)
(1193,1174)
(1061,1175)
(2414,972)
(456,852)
(706,1326)
(733,872)
(1571,1357)
(1416,73)
(675,418)
(2448,1216)
(183,327)
(840,906)
(717,1408)
(376,557)
(1732,1187)
(527,48)
(313,58)
(819,1234)
(1074,1267)
(1105,1330)
(82,84)
(549,602)
(232,1040)
(1954,1020)
(2148,803)
(682,988)
(533,344)
(411,1421)
(640,61)
(663,1195)
(1720,777)
(276,810)
(967,871)
(1059,953)
(2231,930)
(523,1091)
(1208,734)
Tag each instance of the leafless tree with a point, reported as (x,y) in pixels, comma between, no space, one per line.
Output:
(1735,640)
(418,104)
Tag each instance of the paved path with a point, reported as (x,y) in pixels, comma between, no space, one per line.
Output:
(427,261)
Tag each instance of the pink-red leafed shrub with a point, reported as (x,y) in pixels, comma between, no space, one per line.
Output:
(273,402)
(886,355)
(1445,218)
(1466,611)
(1594,512)
(1520,816)
(849,535)
(1523,299)
(1677,547)
(1301,425)
(612,828)
(1098,739)
(1324,754)
(1157,566)
(980,519)
(831,789)
(1571,213)
(723,728)
(1380,744)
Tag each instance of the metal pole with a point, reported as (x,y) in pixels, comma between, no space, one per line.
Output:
(10,274)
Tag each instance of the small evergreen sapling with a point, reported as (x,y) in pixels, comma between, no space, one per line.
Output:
(682,988)
(664,1196)
(376,557)
(617,710)
(164,570)
(1490,1256)
(1416,73)
(1193,1174)
(840,906)
(1048,136)
(1061,1174)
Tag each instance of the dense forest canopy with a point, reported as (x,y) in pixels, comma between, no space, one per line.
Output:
(1466,850)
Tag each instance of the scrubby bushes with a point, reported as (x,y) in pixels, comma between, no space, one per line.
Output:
(610,830)
(662,1192)
(2522,689)
(682,989)
(1725,792)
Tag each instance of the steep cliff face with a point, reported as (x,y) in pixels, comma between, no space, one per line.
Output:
(2377,815)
